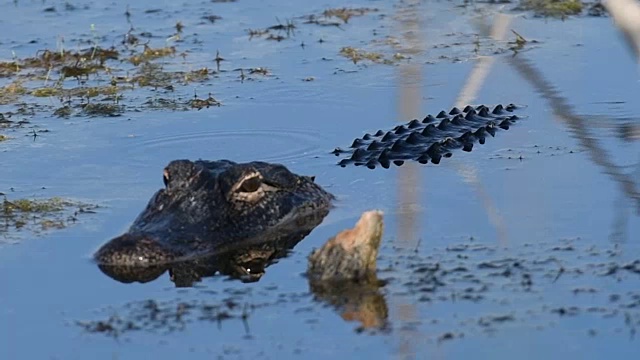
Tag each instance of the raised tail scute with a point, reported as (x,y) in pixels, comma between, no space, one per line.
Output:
(432,138)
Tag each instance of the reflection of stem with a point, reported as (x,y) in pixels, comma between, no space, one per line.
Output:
(467,95)
(470,176)
(409,97)
(626,16)
(618,234)
(483,65)
(410,79)
(577,126)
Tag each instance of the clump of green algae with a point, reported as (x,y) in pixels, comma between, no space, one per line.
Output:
(358,55)
(40,214)
(51,68)
(553,8)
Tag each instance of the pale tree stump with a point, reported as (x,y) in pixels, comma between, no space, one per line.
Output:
(342,273)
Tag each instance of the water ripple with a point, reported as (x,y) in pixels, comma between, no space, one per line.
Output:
(284,145)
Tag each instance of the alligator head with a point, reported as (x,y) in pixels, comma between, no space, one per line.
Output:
(212,207)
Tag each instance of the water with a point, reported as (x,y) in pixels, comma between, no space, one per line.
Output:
(531,252)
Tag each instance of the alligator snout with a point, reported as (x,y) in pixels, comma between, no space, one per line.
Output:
(132,249)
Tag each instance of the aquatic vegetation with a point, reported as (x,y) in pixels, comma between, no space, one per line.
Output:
(40,214)
(48,74)
(8,68)
(83,92)
(150,54)
(358,55)
(552,8)
(167,316)
(345,14)
(180,104)
(203,103)
(11,92)
(102,109)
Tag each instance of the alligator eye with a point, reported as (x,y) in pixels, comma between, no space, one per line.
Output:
(250,185)
(165,178)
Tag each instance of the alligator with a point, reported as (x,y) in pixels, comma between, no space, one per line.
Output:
(431,139)
(237,218)
(212,207)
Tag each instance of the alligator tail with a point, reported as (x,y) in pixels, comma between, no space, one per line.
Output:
(431,139)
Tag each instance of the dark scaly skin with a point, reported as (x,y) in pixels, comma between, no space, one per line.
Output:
(246,260)
(429,140)
(210,207)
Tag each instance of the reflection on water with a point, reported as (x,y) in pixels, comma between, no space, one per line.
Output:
(361,302)
(410,81)
(579,128)
(468,94)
